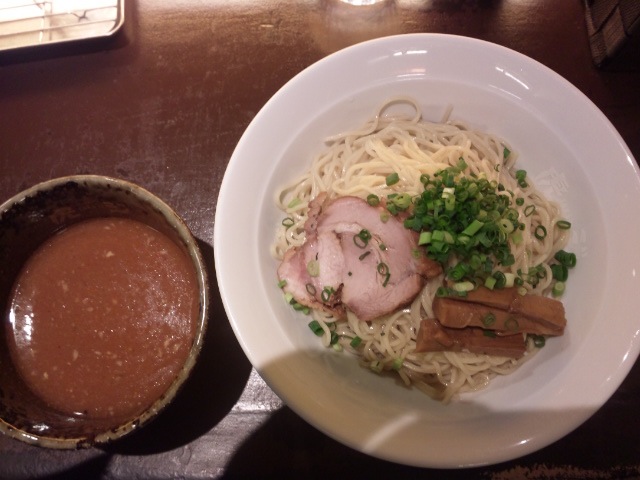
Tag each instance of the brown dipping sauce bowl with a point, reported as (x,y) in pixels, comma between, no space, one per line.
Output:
(28,220)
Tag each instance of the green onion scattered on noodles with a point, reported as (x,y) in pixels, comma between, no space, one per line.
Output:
(475,210)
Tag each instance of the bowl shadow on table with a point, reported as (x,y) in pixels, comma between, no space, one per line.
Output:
(214,386)
(286,446)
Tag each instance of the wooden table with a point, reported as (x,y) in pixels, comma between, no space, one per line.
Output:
(163,104)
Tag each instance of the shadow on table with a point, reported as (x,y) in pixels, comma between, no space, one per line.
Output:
(288,447)
(607,445)
(93,468)
(215,384)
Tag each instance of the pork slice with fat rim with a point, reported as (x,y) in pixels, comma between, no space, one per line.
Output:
(313,268)
(376,283)
(348,214)
(370,278)
(386,273)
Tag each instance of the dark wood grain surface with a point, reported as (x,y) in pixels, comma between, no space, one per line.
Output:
(163,104)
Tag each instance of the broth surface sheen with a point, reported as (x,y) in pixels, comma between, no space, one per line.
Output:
(102,318)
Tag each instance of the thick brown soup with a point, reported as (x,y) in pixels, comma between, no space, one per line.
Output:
(102,317)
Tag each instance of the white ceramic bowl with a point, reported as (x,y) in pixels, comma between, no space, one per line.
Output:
(574,155)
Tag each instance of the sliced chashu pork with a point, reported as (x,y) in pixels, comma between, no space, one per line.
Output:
(332,271)
(310,290)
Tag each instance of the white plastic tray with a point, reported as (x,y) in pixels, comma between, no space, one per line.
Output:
(26,23)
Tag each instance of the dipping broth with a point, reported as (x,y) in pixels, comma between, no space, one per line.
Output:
(102,318)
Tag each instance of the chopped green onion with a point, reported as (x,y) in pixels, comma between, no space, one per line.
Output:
(355,342)
(376,366)
(512,324)
(505,153)
(311,289)
(506,225)
(490,283)
(316,328)
(442,292)
(463,240)
(392,179)
(288,222)
(397,364)
(560,272)
(437,236)
(521,176)
(566,258)
(463,286)
(448,238)
(558,289)
(401,201)
(529,210)
(509,279)
(383,269)
(373,200)
(473,228)
(507,259)
(538,340)
(458,272)
(516,238)
(364,255)
(288,297)
(476,222)
(361,240)
(540,232)
(326,294)
(282,283)
(501,279)
(489,319)
(563,225)
(313,268)
(294,203)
